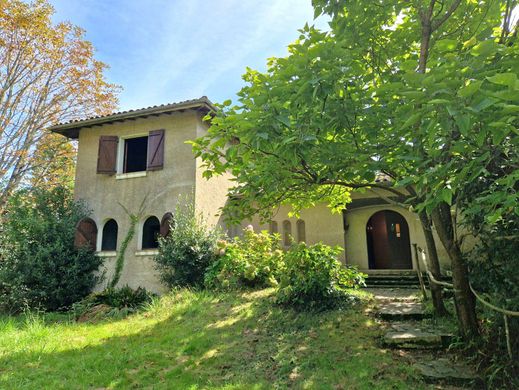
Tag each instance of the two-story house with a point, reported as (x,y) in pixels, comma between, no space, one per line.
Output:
(138,162)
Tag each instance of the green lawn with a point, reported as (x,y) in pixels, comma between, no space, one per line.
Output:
(200,340)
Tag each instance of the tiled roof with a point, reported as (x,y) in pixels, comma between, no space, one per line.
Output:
(71,128)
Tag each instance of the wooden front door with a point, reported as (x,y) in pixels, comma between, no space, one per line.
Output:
(388,242)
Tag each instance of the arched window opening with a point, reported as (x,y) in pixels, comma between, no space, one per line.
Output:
(287,233)
(109,239)
(301,231)
(166,224)
(86,234)
(273,228)
(150,233)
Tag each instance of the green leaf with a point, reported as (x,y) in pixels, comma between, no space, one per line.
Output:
(438,101)
(485,48)
(470,89)
(446,45)
(508,79)
(412,120)
(446,195)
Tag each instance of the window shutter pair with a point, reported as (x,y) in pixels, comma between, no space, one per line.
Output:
(107,155)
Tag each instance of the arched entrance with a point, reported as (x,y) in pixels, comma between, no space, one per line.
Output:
(389,247)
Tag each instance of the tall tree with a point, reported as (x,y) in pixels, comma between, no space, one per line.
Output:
(48,74)
(379,93)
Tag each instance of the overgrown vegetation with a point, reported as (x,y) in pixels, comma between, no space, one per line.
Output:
(313,278)
(112,302)
(39,266)
(254,260)
(202,339)
(188,250)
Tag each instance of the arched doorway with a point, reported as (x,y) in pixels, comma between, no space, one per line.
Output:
(388,241)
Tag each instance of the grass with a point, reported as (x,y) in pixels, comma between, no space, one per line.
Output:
(201,340)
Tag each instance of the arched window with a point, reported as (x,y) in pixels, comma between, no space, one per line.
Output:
(86,234)
(166,224)
(301,231)
(273,228)
(287,233)
(109,239)
(150,233)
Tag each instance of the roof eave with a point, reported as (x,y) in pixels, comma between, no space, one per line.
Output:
(71,129)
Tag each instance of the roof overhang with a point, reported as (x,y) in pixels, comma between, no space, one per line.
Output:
(71,129)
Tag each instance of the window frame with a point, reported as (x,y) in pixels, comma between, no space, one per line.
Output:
(121,156)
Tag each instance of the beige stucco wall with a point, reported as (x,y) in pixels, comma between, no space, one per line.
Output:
(210,194)
(321,225)
(160,189)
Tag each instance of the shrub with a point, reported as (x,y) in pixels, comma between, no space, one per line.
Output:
(39,266)
(117,302)
(255,260)
(188,250)
(314,278)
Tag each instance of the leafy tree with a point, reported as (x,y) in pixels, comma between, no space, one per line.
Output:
(386,90)
(48,74)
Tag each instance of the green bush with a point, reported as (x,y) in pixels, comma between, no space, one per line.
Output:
(255,260)
(188,250)
(314,278)
(122,301)
(39,266)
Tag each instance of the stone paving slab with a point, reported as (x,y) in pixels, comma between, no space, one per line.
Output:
(445,370)
(413,339)
(394,294)
(401,310)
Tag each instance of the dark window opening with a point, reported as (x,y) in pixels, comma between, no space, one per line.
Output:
(135,154)
(150,233)
(109,241)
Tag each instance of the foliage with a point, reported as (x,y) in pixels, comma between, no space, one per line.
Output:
(203,339)
(254,260)
(123,301)
(49,75)
(314,278)
(39,266)
(188,250)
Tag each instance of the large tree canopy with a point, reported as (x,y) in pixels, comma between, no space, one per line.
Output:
(425,92)
(48,74)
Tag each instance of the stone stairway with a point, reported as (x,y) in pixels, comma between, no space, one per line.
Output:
(402,315)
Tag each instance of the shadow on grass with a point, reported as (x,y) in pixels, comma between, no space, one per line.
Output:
(217,341)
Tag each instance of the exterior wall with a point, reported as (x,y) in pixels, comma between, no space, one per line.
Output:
(158,191)
(210,194)
(356,239)
(321,225)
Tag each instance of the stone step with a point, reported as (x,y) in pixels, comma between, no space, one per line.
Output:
(408,335)
(446,371)
(401,310)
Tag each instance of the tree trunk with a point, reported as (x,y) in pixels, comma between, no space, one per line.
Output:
(465,303)
(433,264)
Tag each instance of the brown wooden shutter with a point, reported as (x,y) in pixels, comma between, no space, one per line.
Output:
(165,224)
(107,157)
(155,150)
(86,234)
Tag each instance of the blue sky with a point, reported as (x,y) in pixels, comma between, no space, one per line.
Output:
(164,51)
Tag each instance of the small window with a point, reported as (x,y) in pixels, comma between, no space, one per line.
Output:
(150,233)
(109,239)
(135,154)
(287,233)
(301,231)
(273,227)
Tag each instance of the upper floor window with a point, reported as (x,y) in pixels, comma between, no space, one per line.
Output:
(137,154)
(109,238)
(150,233)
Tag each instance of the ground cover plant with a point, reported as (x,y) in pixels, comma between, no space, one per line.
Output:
(201,339)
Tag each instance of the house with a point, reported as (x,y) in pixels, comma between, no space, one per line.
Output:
(138,163)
